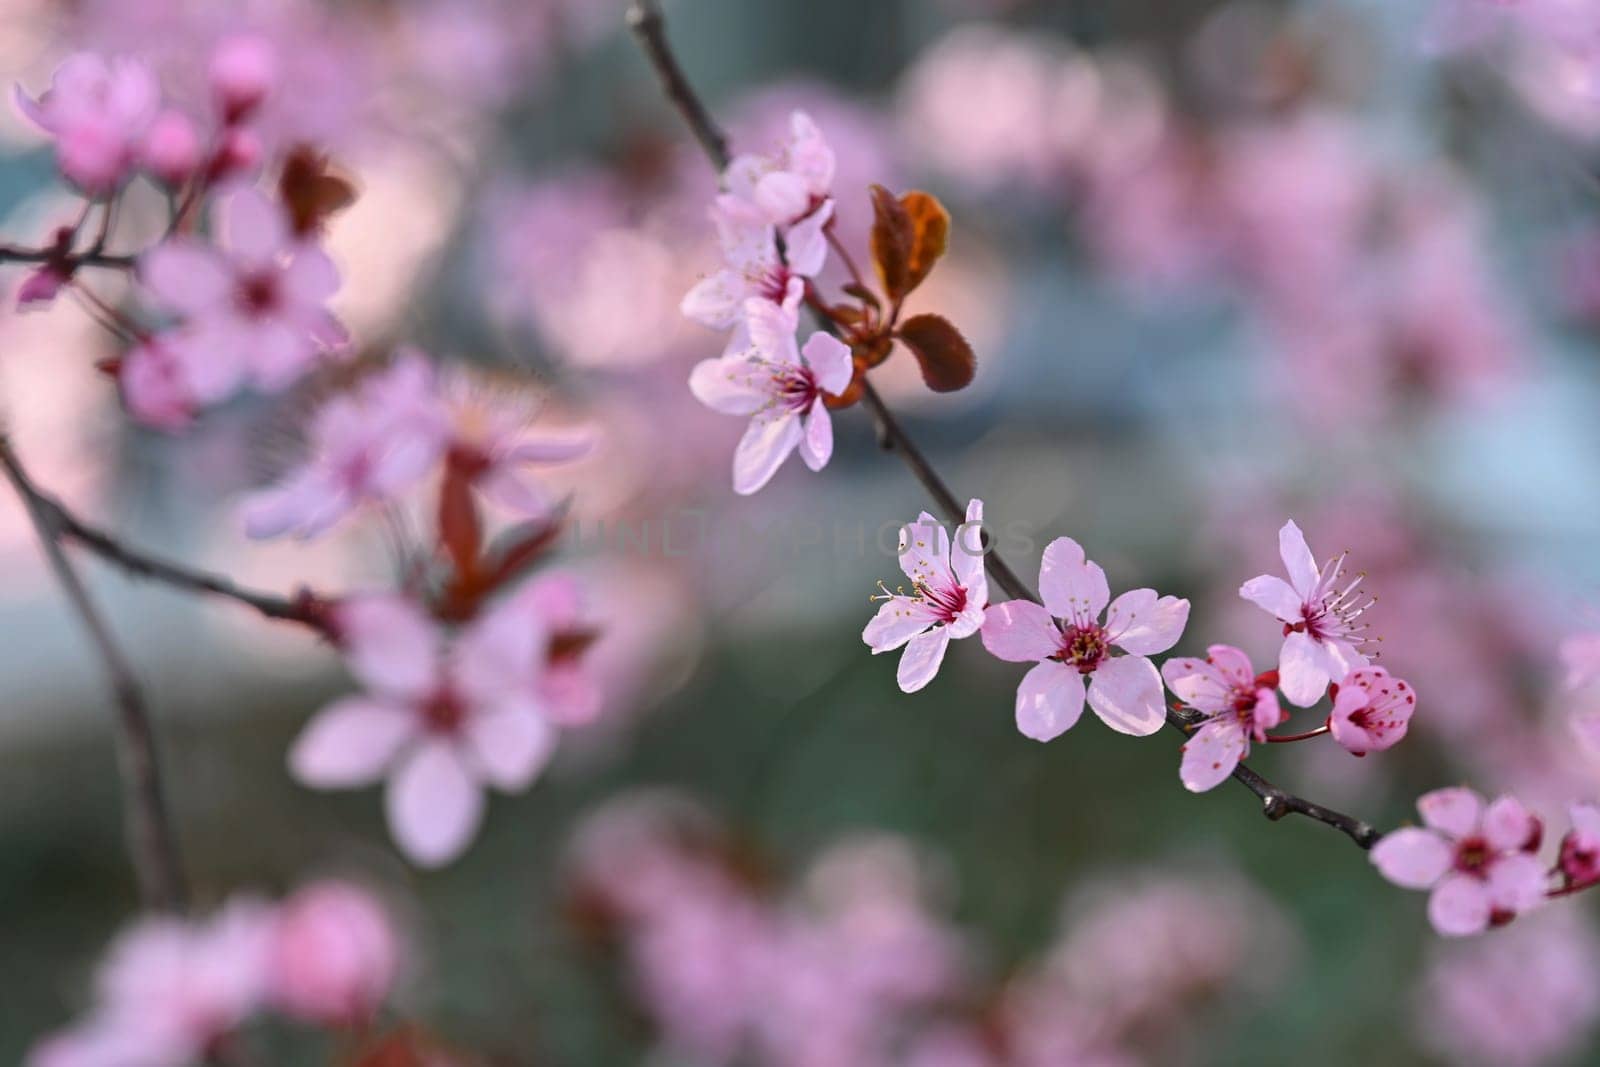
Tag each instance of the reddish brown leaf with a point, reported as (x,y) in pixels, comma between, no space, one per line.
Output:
(312,190)
(945,357)
(891,242)
(930,234)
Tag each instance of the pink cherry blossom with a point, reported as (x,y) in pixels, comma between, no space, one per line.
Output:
(1476,860)
(439,719)
(1580,848)
(569,688)
(1371,710)
(156,383)
(171,151)
(1239,705)
(1322,637)
(243,72)
(792,184)
(257,297)
(335,954)
(782,387)
(1124,691)
(488,439)
(949,591)
(98,112)
(755,270)
(368,445)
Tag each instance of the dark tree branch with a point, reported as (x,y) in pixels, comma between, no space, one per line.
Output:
(150,837)
(304,608)
(644,19)
(94,257)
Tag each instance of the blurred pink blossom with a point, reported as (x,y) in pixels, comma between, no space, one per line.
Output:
(335,954)
(98,112)
(1478,861)
(440,719)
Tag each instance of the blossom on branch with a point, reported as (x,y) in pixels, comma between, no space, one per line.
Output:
(1125,690)
(98,111)
(1371,710)
(1239,705)
(1322,639)
(1477,860)
(440,719)
(949,591)
(782,387)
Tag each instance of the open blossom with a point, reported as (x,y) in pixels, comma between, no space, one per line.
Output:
(335,954)
(170,990)
(794,183)
(256,299)
(439,719)
(782,387)
(1125,691)
(1322,638)
(488,440)
(370,444)
(754,269)
(1239,705)
(1580,848)
(98,113)
(1477,860)
(948,593)
(1371,710)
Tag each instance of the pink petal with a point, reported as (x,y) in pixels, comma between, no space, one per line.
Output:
(351,743)
(307,504)
(1125,692)
(1233,664)
(897,621)
(920,661)
(310,277)
(1199,684)
(1210,756)
(389,644)
(551,448)
(772,328)
(716,301)
(1459,906)
(1516,883)
(1456,812)
(732,385)
(1585,818)
(967,555)
(278,352)
(186,276)
(1508,826)
(1140,623)
(1073,588)
(830,362)
(511,746)
(1412,858)
(1020,631)
(506,487)
(1302,673)
(970,619)
(806,245)
(253,228)
(499,656)
(925,551)
(1304,574)
(1273,594)
(434,805)
(1049,700)
(784,197)
(816,447)
(809,154)
(762,450)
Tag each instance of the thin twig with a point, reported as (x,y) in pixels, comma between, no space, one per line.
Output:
(644,18)
(91,258)
(151,840)
(650,29)
(304,608)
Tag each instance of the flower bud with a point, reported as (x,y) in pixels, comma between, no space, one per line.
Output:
(336,955)
(244,70)
(171,149)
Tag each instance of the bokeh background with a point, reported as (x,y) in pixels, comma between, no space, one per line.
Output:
(1223,264)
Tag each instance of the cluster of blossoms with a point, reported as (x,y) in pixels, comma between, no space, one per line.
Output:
(246,305)
(173,992)
(858,964)
(1088,648)
(771,224)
